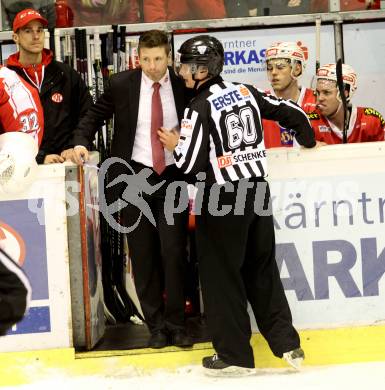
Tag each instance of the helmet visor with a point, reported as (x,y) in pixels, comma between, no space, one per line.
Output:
(184,69)
(177,63)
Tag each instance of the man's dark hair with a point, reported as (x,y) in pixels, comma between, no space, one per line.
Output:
(154,38)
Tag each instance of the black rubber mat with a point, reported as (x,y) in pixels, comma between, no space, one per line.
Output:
(130,336)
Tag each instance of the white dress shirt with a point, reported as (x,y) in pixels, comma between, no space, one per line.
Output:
(142,152)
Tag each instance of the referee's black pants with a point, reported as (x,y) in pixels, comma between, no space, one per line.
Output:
(236,255)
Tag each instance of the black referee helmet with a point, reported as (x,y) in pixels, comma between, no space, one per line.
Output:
(203,50)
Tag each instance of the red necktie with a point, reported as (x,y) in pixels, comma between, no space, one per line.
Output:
(158,158)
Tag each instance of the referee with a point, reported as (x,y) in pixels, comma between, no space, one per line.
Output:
(221,138)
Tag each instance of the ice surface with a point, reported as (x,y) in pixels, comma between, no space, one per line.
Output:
(362,376)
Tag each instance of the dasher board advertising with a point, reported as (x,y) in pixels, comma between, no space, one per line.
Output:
(33,231)
(245,51)
(330,248)
(24,240)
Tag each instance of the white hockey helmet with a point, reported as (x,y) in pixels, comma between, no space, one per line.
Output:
(18,165)
(288,50)
(349,76)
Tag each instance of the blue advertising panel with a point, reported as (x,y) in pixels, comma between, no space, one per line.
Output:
(24,238)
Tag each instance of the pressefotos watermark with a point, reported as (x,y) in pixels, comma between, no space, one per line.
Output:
(290,198)
(176,196)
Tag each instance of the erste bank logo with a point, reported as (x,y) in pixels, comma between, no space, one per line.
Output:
(244,91)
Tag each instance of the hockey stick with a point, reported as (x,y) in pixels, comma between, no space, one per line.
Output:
(67,49)
(127,54)
(103,49)
(57,45)
(89,59)
(118,274)
(345,105)
(77,48)
(317,44)
(115,298)
(110,52)
(317,52)
(99,87)
(116,238)
(73,52)
(122,49)
(83,51)
(50,40)
(115,48)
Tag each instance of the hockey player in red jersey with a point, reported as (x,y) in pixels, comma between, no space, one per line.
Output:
(365,124)
(20,107)
(285,62)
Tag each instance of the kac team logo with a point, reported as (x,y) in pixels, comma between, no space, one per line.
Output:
(57,97)
(12,243)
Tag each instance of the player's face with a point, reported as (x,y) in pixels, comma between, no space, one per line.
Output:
(279,73)
(154,62)
(30,38)
(186,72)
(327,101)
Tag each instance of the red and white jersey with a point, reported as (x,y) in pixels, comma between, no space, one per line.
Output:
(20,107)
(365,125)
(278,136)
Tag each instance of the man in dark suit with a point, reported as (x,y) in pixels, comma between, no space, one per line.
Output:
(141,101)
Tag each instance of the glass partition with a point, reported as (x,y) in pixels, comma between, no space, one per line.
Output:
(78,13)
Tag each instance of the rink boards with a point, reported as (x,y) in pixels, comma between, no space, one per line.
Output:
(329,217)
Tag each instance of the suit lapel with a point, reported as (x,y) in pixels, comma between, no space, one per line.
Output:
(134,92)
(179,93)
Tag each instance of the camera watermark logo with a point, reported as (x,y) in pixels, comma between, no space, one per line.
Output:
(296,203)
(136,185)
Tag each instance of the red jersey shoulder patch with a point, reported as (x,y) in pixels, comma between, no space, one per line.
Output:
(313,115)
(373,112)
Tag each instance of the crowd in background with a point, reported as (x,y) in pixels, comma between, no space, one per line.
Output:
(68,13)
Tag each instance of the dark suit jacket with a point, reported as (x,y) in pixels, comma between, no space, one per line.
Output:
(121,101)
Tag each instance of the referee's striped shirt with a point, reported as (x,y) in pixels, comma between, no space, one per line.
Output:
(222,134)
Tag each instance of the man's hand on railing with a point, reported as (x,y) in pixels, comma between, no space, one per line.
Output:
(53,159)
(68,154)
(80,154)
